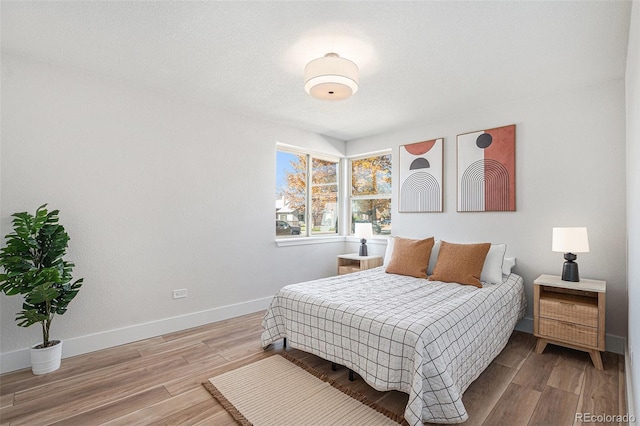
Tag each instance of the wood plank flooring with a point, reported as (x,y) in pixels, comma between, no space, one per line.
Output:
(158,381)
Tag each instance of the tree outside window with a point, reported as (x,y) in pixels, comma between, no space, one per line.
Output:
(324,196)
(371,192)
(307,193)
(295,191)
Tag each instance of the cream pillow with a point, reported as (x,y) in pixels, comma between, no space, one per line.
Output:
(460,263)
(434,257)
(508,264)
(410,257)
(388,252)
(492,269)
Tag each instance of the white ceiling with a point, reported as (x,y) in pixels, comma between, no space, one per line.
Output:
(419,61)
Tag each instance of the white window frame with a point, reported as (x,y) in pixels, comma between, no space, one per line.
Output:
(308,237)
(349,189)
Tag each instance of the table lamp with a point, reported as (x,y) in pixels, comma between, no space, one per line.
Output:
(570,241)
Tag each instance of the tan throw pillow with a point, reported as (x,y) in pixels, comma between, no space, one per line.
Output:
(410,257)
(460,263)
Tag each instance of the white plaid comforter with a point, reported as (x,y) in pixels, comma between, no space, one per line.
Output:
(428,339)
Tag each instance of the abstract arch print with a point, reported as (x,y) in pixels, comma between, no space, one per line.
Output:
(486,170)
(421,177)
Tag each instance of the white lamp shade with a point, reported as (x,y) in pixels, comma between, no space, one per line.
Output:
(570,240)
(363,230)
(331,77)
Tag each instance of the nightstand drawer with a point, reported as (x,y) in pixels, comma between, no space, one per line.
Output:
(567,308)
(568,332)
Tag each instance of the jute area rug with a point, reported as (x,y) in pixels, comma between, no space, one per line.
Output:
(282,392)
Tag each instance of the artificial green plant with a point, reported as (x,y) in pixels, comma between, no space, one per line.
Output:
(33,266)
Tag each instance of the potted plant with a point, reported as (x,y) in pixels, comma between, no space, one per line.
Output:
(33,267)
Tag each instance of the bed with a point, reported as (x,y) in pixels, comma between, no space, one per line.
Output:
(429,339)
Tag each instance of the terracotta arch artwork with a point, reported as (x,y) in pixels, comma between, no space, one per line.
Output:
(487,170)
(421,177)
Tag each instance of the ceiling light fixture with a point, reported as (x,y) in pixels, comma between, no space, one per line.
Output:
(331,77)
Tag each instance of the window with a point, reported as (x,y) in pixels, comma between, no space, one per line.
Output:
(371,192)
(306,194)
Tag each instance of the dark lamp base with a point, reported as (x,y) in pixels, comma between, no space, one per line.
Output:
(570,271)
(363,248)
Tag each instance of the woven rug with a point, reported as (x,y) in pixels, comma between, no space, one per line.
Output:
(282,392)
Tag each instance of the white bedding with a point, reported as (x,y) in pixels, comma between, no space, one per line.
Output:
(427,339)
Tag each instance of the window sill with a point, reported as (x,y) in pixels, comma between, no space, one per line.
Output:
(300,241)
(375,240)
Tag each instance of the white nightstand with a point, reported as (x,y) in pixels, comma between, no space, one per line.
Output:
(348,263)
(570,314)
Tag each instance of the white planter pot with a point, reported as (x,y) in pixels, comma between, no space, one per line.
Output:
(46,360)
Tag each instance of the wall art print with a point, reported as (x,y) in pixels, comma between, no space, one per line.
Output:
(487,170)
(421,169)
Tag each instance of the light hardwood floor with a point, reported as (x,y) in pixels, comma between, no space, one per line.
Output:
(158,381)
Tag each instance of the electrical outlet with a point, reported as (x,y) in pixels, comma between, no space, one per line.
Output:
(180,293)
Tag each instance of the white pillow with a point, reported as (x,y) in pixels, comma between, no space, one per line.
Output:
(492,269)
(388,252)
(434,257)
(508,264)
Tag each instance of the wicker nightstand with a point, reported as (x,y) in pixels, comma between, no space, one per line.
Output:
(570,314)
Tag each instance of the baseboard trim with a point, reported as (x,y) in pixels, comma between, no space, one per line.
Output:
(615,344)
(525,325)
(17,360)
(631,409)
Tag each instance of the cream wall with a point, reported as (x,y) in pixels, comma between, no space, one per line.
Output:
(570,171)
(157,193)
(633,206)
